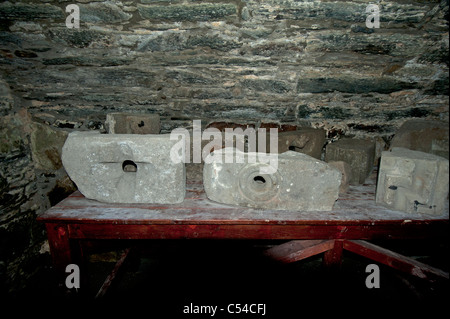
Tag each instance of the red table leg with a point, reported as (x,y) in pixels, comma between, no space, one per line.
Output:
(333,257)
(58,239)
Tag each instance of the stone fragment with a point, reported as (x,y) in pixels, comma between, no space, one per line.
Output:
(305,140)
(46,146)
(130,123)
(346,172)
(413,181)
(423,135)
(124,168)
(300,183)
(358,153)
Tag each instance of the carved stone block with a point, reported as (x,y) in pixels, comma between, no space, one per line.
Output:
(132,123)
(124,168)
(359,154)
(423,135)
(305,140)
(300,182)
(412,181)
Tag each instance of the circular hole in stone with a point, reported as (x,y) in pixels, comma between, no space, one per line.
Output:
(259,179)
(129,166)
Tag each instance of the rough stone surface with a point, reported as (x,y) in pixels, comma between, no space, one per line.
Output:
(24,11)
(413,181)
(301,182)
(124,168)
(309,141)
(126,123)
(190,12)
(346,172)
(6,100)
(359,154)
(46,146)
(423,135)
(306,63)
(104,12)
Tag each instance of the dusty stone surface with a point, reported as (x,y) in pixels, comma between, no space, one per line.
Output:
(423,135)
(129,123)
(301,182)
(124,168)
(305,140)
(358,153)
(346,172)
(413,181)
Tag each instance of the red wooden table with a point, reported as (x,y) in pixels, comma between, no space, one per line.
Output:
(354,219)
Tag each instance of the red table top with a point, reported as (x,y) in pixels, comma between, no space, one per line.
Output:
(356,207)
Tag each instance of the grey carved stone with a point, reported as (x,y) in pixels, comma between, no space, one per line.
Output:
(305,140)
(423,135)
(124,168)
(346,172)
(132,123)
(300,183)
(413,181)
(358,153)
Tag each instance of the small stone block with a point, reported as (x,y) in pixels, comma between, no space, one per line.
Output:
(359,154)
(423,135)
(346,172)
(306,140)
(413,181)
(124,168)
(300,182)
(131,123)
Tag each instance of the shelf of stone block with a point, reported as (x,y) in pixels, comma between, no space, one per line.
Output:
(355,216)
(356,207)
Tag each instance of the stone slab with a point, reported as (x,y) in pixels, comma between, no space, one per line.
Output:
(300,183)
(124,168)
(132,123)
(358,153)
(423,135)
(413,181)
(306,140)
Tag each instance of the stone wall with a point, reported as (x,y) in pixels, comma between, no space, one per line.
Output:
(308,63)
